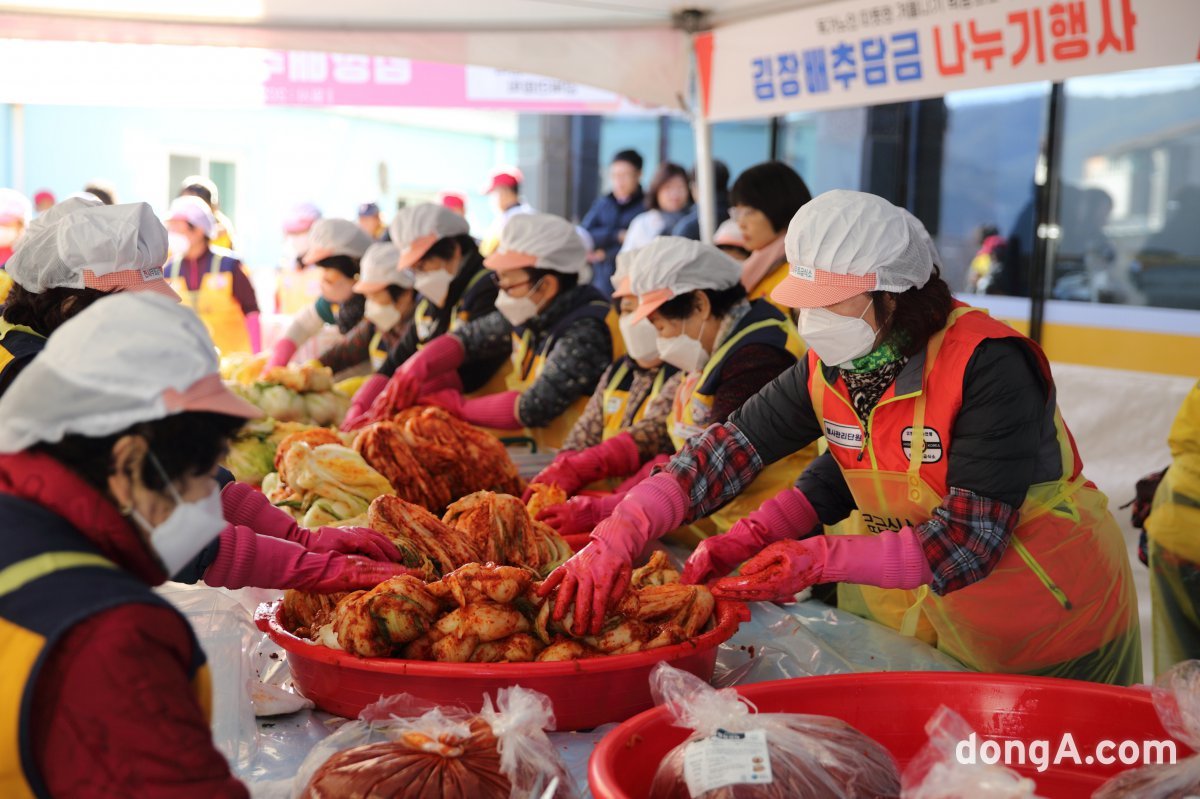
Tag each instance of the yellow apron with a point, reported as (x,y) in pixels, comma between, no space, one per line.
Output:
(1039,611)
(298,289)
(615,399)
(215,304)
(18,341)
(691,404)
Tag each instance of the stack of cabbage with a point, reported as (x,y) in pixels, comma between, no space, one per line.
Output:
(287,393)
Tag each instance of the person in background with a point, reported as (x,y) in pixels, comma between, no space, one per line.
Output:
(73,255)
(987,260)
(765,198)
(43,201)
(1173,533)
(102,190)
(609,217)
(387,315)
(205,189)
(726,348)
(335,249)
(944,425)
(504,186)
(453,289)
(371,221)
(559,331)
(667,201)
(298,286)
(689,226)
(729,240)
(211,280)
(454,201)
(15,215)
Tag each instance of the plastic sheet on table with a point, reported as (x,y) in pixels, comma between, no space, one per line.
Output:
(810,638)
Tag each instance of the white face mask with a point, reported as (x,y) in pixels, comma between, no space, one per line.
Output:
(384,316)
(189,529)
(297,243)
(684,352)
(640,339)
(9,235)
(434,286)
(836,339)
(517,310)
(178,244)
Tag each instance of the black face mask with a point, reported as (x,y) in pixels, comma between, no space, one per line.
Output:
(350,313)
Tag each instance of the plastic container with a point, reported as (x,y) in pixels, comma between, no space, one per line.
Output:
(586,693)
(892,708)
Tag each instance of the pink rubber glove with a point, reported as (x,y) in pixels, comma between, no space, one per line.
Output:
(580,514)
(245,507)
(281,353)
(494,410)
(785,568)
(598,575)
(786,515)
(442,354)
(366,394)
(247,559)
(574,469)
(254,332)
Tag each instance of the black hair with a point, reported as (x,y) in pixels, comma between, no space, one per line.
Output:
(774,188)
(444,248)
(666,170)
(46,312)
(720,175)
(631,157)
(185,444)
(196,190)
(721,301)
(343,263)
(396,292)
(100,194)
(918,315)
(350,313)
(566,282)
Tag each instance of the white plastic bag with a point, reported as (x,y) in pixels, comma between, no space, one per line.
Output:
(521,757)
(1177,701)
(736,752)
(936,773)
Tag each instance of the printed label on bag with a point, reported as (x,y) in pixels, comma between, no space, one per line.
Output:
(727,758)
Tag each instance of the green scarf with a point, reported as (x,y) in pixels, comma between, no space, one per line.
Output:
(885,353)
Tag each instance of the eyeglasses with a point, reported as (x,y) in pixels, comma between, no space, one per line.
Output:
(739,212)
(496,282)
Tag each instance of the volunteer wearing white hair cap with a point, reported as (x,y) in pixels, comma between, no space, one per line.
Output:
(388,315)
(336,246)
(71,256)
(728,349)
(453,289)
(211,279)
(561,334)
(109,444)
(944,425)
(15,213)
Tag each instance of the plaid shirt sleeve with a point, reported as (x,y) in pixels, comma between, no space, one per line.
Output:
(965,539)
(713,468)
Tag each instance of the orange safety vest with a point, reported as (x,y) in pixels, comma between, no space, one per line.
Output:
(214,303)
(1061,601)
(49,584)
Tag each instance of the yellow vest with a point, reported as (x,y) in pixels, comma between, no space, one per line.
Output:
(17,341)
(1174,521)
(43,580)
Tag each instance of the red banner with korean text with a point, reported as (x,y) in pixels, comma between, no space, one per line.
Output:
(865,52)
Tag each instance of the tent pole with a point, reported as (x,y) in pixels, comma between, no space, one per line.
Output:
(702,133)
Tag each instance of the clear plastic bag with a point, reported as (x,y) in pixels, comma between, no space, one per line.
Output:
(936,773)
(1177,701)
(735,752)
(421,749)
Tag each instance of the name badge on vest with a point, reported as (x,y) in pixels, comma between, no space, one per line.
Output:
(701,410)
(219,281)
(613,404)
(933,445)
(425,328)
(843,435)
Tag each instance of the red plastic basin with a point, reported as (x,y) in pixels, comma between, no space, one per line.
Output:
(585,693)
(892,708)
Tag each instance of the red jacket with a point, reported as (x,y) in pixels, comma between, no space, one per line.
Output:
(115,713)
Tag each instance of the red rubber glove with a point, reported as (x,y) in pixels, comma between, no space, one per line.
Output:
(442,354)
(247,559)
(254,331)
(785,568)
(371,388)
(245,507)
(574,469)
(579,514)
(598,575)
(281,353)
(494,410)
(786,515)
